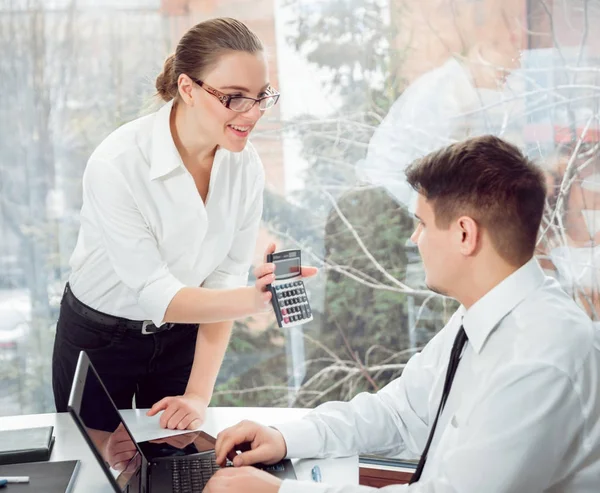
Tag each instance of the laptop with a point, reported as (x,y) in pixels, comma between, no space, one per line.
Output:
(178,464)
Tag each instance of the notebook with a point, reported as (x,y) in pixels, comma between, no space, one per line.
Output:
(26,445)
(46,477)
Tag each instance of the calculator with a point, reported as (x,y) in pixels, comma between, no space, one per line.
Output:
(289,298)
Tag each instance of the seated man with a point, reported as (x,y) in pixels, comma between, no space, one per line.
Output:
(505,398)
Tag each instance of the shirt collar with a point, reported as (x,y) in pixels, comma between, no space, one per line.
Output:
(165,157)
(480,320)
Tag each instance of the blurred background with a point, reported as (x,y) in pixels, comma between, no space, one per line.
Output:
(367,87)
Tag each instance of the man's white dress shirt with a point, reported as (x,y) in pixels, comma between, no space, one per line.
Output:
(145,231)
(523,415)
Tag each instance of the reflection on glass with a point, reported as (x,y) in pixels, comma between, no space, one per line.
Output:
(112,440)
(571,240)
(461,98)
(369,85)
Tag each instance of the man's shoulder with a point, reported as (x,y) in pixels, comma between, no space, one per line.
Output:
(552,329)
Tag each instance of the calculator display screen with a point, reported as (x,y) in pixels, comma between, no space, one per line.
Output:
(287,268)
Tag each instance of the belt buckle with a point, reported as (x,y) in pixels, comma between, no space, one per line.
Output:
(148,327)
(148,323)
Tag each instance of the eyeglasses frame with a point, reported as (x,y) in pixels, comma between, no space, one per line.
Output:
(225,99)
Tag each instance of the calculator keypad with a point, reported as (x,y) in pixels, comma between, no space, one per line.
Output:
(293,303)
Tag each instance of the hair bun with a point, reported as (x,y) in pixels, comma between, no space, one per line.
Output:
(165,85)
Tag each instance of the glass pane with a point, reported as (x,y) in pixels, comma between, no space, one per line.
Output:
(368,86)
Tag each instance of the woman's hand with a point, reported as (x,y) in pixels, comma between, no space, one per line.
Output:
(180,412)
(264,274)
(119,449)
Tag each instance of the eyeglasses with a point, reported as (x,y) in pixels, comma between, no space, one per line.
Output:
(241,104)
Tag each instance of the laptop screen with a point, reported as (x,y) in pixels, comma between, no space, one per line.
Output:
(106,432)
(104,429)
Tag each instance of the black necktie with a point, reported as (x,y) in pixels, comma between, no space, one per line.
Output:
(459,342)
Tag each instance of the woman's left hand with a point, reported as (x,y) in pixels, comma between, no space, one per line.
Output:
(180,412)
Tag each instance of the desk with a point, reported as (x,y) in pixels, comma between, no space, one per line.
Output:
(71,445)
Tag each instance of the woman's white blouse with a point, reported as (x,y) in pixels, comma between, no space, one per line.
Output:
(145,231)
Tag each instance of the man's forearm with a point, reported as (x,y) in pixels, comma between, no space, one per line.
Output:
(211,345)
(207,306)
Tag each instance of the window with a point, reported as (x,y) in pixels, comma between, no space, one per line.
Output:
(367,86)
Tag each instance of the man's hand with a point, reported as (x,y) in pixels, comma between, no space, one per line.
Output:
(119,449)
(181,412)
(266,444)
(264,274)
(246,479)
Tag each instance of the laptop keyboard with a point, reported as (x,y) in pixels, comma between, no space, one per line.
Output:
(191,475)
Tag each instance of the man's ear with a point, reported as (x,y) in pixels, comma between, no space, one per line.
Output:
(470,235)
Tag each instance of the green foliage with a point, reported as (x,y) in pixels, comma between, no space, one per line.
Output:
(254,360)
(368,315)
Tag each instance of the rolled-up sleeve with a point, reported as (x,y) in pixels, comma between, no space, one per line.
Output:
(132,248)
(233,271)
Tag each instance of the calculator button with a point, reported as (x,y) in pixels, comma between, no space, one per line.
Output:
(286,320)
(284,311)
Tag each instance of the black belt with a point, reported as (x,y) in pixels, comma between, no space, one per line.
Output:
(143,326)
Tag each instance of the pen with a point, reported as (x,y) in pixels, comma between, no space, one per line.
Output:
(15,479)
(316,474)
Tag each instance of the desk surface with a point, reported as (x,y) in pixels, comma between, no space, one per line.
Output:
(71,445)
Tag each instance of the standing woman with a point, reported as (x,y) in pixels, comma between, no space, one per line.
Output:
(171,209)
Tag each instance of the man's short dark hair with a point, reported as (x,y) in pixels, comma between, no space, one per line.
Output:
(493,182)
